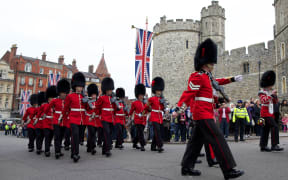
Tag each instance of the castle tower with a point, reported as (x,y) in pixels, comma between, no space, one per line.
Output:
(281,44)
(174,46)
(213,25)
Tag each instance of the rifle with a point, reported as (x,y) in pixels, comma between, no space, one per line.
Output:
(88,100)
(217,87)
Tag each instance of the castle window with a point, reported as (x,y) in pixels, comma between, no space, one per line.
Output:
(6,103)
(41,71)
(69,75)
(284,89)
(28,67)
(8,88)
(282,50)
(40,83)
(30,83)
(22,81)
(187,44)
(246,68)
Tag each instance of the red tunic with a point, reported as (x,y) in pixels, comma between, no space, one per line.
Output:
(89,114)
(138,107)
(106,108)
(74,109)
(120,114)
(98,118)
(57,106)
(30,112)
(40,112)
(48,121)
(157,109)
(199,95)
(266,100)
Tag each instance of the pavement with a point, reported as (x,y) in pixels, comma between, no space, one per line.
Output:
(16,163)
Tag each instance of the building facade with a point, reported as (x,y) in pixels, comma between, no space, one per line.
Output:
(175,43)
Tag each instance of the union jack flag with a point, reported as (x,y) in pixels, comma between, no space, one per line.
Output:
(142,57)
(53,79)
(25,104)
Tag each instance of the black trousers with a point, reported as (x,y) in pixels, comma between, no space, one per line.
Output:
(48,134)
(67,136)
(91,140)
(100,136)
(58,136)
(207,132)
(82,133)
(157,138)
(107,134)
(240,123)
(269,124)
(75,139)
(31,136)
(210,156)
(39,138)
(139,135)
(119,134)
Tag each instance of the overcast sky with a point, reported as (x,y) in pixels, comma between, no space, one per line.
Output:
(80,29)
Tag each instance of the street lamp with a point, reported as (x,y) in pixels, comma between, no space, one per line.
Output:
(259,68)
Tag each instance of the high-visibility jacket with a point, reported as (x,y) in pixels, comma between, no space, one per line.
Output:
(6,127)
(14,126)
(240,113)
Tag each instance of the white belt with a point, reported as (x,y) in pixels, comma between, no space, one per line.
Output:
(265,105)
(58,112)
(107,109)
(74,109)
(88,114)
(97,116)
(49,117)
(120,114)
(210,100)
(40,119)
(158,111)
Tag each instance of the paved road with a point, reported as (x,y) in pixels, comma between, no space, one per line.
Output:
(17,163)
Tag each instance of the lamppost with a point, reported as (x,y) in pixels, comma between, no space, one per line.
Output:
(259,68)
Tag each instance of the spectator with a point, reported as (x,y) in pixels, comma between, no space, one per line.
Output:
(256,117)
(224,112)
(180,127)
(284,108)
(249,125)
(6,129)
(166,126)
(285,122)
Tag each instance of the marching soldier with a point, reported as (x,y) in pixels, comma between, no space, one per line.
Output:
(28,119)
(205,130)
(56,106)
(137,107)
(156,105)
(120,117)
(74,109)
(38,122)
(268,98)
(240,115)
(106,104)
(90,120)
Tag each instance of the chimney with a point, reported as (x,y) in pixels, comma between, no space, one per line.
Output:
(14,49)
(44,56)
(74,63)
(61,59)
(90,68)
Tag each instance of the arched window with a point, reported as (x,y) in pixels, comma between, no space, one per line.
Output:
(282,51)
(69,75)
(187,44)
(28,67)
(284,89)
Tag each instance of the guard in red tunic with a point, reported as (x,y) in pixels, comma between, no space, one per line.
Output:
(56,105)
(47,115)
(138,107)
(120,118)
(28,120)
(156,105)
(38,122)
(206,131)
(268,97)
(90,120)
(74,109)
(106,104)
(99,128)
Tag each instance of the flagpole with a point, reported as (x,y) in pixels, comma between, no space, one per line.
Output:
(146,33)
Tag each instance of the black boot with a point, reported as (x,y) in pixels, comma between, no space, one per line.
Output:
(108,154)
(135,146)
(213,163)
(47,154)
(277,148)
(38,152)
(93,152)
(66,148)
(198,161)
(76,158)
(265,149)
(57,155)
(233,173)
(142,148)
(190,172)
(30,149)
(160,150)
(153,149)
(201,155)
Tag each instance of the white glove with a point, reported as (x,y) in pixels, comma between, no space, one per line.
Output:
(238,78)
(145,129)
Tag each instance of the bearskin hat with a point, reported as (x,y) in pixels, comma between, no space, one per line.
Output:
(206,53)
(51,92)
(63,86)
(268,79)
(107,84)
(139,90)
(120,92)
(92,89)
(157,84)
(33,99)
(41,98)
(78,79)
